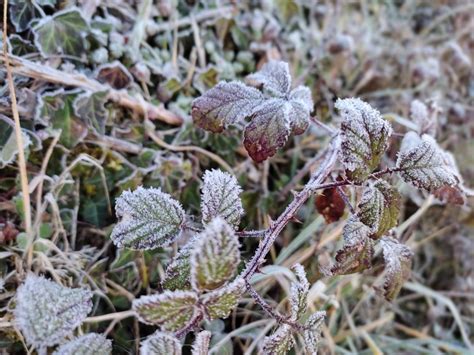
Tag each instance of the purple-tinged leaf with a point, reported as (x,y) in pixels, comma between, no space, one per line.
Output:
(225,104)
(115,74)
(274,77)
(268,130)
(301,107)
(201,343)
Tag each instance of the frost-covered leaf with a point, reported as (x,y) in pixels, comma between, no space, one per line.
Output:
(364,137)
(312,334)
(114,74)
(379,207)
(299,293)
(330,204)
(8,145)
(47,312)
(215,256)
(62,33)
(225,104)
(274,76)
(201,343)
(20,46)
(450,194)
(301,107)
(220,196)
(89,344)
(160,343)
(149,218)
(397,259)
(90,108)
(22,12)
(280,342)
(358,250)
(56,107)
(424,164)
(420,115)
(170,310)
(178,272)
(221,302)
(268,130)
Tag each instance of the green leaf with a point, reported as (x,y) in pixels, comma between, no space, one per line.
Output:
(20,46)
(287,9)
(8,144)
(299,293)
(57,108)
(220,196)
(379,207)
(268,130)
(149,219)
(358,250)
(89,344)
(280,342)
(215,256)
(62,33)
(221,302)
(178,272)
(47,312)
(170,310)
(312,333)
(90,108)
(397,259)
(22,12)
(364,137)
(160,343)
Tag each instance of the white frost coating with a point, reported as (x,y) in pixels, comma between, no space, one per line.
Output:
(424,164)
(299,293)
(149,219)
(201,344)
(420,115)
(47,312)
(364,133)
(371,206)
(302,105)
(221,302)
(215,256)
(89,344)
(274,76)
(312,335)
(220,196)
(160,343)
(280,342)
(355,232)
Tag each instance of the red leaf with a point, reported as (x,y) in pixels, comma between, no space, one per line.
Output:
(330,205)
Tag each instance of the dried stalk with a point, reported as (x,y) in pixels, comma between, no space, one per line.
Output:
(33,70)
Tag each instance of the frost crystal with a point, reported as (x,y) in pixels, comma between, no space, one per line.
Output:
(312,334)
(201,344)
(89,344)
(424,164)
(177,275)
(302,105)
(221,302)
(364,137)
(215,256)
(421,116)
(149,219)
(169,310)
(47,312)
(160,343)
(397,259)
(280,342)
(220,196)
(226,103)
(299,293)
(274,76)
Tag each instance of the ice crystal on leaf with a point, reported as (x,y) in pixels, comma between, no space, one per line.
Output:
(364,137)
(420,115)
(221,302)
(177,275)
(47,312)
(379,207)
(424,164)
(280,342)
(220,196)
(201,343)
(215,256)
(161,343)
(397,259)
(312,333)
(299,293)
(89,344)
(149,219)
(358,250)
(273,115)
(171,310)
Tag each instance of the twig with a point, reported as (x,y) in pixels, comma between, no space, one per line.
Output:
(18,133)
(251,234)
(34,70)
(316,121)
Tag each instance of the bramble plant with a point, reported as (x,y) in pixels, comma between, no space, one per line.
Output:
(208,276)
